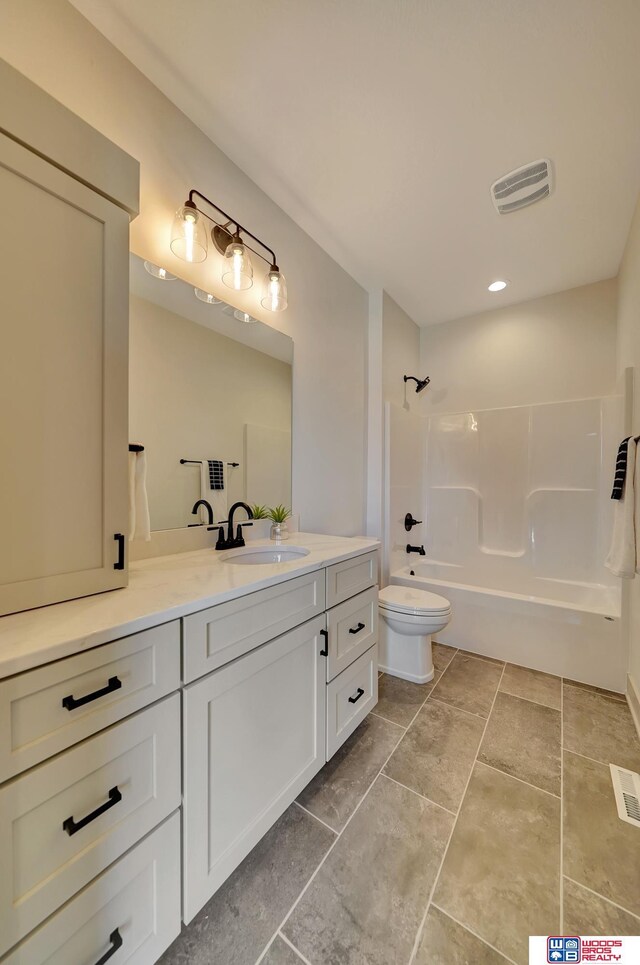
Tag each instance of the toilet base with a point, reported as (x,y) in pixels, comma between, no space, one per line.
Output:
(407,676)
(402,655)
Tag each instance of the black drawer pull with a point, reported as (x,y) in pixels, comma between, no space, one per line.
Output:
(357,629)
(359,693)
(116,942)
(71,826)
(325,652)
(119,538)
(70,702)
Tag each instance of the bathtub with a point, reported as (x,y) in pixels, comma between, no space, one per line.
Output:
(559,627)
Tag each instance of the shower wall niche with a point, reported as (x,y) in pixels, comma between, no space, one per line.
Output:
(522,493)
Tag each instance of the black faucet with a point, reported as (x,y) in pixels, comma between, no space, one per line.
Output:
(203,502)
(416,549)
(231,541)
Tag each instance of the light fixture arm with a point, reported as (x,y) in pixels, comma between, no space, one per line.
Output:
(239,228)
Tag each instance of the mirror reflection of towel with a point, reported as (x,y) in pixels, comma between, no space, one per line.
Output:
(622,555)
(139,522)
(213,488)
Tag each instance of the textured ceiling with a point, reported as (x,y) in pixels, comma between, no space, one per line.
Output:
(379,125)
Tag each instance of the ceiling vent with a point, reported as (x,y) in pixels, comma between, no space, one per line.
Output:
(522,187)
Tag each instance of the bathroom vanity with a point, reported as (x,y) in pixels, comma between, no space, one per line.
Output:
(150,737)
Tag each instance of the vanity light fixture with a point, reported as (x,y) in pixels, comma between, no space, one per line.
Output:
(206,297)
(497,286)
(159,272)
(189,242)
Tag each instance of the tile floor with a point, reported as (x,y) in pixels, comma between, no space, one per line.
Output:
(460,818)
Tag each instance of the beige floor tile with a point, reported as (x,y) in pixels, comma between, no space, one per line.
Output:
(399,700)
(600,851)
(523,739)
(501,873)
(544,688)
(445,942)
(589,914)
(469,683)
(366,903)
(442,655)
(236,924)
(281,954)
(601,728)
(594,690)
(436,754)
(336,790)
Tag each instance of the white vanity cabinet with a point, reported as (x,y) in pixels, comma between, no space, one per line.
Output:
(254,736)
(64,305)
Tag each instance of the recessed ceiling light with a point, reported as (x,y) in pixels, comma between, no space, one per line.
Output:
(158,272)
(497,286)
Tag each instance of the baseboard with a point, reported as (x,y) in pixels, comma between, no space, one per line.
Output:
(633,699)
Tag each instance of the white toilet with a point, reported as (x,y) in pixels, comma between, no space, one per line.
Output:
(408,618)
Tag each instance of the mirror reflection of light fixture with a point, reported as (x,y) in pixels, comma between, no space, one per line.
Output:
(189,242)
(189,234)
(206,297)
(159,272)
(244,316)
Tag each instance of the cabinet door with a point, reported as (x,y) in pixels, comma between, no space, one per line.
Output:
(63,384)
(254,736)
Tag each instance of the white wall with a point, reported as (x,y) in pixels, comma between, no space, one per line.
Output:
(191,393)
(549,349)
(629,355)
(50,42)
(400,354)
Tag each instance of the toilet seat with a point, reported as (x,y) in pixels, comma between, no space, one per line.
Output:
(409,600)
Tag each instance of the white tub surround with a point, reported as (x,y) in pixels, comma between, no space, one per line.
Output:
(580,640)
(156,733)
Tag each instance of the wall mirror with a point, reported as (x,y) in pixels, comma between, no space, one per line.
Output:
(206,386)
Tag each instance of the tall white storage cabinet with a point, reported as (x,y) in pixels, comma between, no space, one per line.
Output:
(63,371)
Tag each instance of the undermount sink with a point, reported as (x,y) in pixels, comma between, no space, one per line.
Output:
(261,555)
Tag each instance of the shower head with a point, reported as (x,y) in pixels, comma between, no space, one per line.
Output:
(420,383)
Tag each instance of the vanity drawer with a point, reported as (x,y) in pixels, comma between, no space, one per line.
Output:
(214,637)
(46,710)
(133,907)
(350,577)
(353,628)
(350,697)
(65,821)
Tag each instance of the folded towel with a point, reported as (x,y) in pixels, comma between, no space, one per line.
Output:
(622,558)
(213,489)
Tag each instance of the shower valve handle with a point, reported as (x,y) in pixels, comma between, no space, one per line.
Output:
(409,522)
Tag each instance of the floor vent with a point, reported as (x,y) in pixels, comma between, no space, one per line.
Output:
(626,787)
(522,187)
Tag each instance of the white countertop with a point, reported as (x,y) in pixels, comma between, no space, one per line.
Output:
(159,590)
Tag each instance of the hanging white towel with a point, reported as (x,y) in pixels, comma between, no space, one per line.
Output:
(217,498)
(139,522)
(622,558)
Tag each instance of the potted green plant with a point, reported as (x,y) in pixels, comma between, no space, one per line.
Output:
(260,512)
(279,516)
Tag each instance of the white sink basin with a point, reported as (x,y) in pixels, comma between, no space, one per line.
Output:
(261,555)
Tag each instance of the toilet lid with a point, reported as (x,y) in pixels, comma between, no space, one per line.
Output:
(407,599)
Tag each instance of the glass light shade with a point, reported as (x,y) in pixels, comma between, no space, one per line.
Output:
(243,316)
(274,291)
(206,297)
(159,272)
(189,235)
(238,270)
